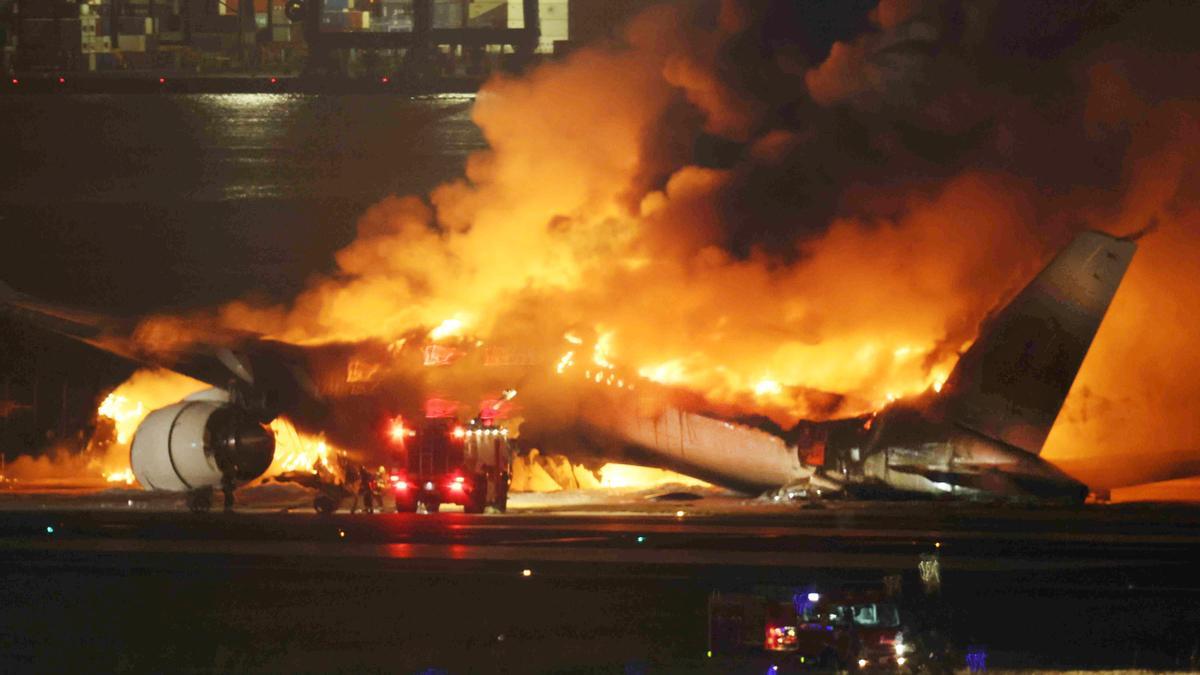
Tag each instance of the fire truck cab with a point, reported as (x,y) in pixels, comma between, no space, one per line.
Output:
(446,462)
(856,629)
(841,629)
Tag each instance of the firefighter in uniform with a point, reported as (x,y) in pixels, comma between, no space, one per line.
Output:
(365,481)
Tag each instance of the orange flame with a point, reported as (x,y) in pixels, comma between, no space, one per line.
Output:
(552,230)
(129,404)
(614,475)
(297,451)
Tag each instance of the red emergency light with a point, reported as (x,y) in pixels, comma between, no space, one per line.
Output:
(781,638)
(397,432)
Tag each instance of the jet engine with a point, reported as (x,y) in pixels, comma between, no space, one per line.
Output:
(191,444)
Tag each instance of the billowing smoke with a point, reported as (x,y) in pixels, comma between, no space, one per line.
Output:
(808,236)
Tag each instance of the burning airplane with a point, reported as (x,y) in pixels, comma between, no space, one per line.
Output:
(763,280)
(979,436)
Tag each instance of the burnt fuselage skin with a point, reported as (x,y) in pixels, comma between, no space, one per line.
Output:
(916,450)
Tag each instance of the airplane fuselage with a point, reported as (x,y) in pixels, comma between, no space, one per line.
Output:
(911,451)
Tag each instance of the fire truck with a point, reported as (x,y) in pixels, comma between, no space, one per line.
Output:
(841,628)
(444,461)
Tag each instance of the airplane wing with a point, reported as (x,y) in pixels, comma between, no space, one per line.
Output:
(219,357)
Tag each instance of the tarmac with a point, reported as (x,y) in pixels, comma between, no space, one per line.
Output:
(603,581)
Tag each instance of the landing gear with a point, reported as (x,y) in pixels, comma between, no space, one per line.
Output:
(200,501)
(428,506)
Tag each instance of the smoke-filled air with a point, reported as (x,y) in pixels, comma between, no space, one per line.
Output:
(806,233)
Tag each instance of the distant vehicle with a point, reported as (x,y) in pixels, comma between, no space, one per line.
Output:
(856,630)
(979,437)
(445,462)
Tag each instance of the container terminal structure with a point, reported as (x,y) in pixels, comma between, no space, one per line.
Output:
(400,40)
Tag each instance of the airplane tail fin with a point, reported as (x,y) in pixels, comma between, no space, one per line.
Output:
(1011,383)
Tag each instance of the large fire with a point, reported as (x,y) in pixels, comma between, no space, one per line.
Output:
(536,472)
(126,415)
(128,405)
(615,238)
(296,451)
(614,475)
(880,201)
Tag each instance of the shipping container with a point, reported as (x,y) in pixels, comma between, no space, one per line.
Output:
(135,25)
(335,21)
(488,14)
(89,26)
(131,43)
(448,14)
(106,61)
(98,44)
(214,42)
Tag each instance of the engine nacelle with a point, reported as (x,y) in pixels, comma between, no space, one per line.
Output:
(191,444)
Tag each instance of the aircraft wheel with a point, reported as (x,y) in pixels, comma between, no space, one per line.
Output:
(324,505)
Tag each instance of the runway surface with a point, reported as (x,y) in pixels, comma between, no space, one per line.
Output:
(611,590)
